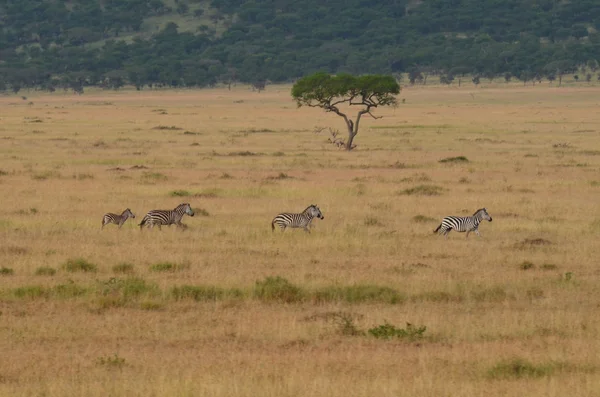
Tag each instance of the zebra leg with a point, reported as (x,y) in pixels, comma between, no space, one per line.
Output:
(477,232)
(468,231)
(306,229)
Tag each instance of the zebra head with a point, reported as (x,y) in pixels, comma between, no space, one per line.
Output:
(128,214)
(483,214)
(186,209)
(315,212)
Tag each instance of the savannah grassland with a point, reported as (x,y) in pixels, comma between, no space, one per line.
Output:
(202,312)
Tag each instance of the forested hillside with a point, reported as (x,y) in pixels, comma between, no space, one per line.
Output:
(50,44)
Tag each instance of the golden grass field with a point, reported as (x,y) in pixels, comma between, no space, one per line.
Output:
(200,312)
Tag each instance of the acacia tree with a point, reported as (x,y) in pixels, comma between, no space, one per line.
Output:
(327,92)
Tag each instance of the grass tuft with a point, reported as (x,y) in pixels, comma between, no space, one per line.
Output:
(389,331)
(168,267)
(123,268)
(45,271)
(278,289)
(526,265)
(179,193)
(358,294)
(423,219)
(166,127)
(6,271)
(200,293)
(423,190)
(454,160)
(79,265)
(518,368)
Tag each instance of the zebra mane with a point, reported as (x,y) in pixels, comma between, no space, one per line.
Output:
(481,209)
(309,207)
(182,205)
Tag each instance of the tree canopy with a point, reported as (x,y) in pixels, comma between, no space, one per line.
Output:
(329,92)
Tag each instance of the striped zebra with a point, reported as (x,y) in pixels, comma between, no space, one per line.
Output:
(166,217)
(117,219)
(302,220)
(463,223)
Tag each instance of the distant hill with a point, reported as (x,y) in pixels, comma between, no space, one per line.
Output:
(51,44)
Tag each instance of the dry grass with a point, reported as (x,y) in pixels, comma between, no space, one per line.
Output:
(201,311)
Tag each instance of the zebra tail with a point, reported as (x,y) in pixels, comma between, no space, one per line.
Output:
(273,225)
(143,222)
(438,228)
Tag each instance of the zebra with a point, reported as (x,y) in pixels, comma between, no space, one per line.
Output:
(463,223)
(166,217)
(117,219)
(302,220)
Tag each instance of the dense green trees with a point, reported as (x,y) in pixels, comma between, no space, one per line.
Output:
(49,44)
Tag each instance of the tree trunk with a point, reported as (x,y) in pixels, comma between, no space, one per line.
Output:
(351,134)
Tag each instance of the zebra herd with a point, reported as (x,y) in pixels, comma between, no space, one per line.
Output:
(284,220)
(152,218)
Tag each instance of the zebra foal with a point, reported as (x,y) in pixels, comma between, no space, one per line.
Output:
(117,219)
(166,217)
(463,223)
(301,220)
